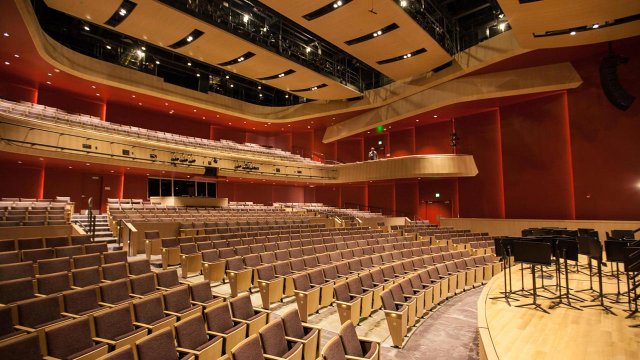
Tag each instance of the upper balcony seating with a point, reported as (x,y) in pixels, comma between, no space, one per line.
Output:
(54,115)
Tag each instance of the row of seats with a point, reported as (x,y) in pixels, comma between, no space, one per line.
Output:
(154,246)
(24,285)
(53,115)
(41,243)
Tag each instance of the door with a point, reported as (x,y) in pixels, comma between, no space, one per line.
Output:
(91,188)
(437,210)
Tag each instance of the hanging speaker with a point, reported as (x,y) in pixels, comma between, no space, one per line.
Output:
(616,94)
(210,171)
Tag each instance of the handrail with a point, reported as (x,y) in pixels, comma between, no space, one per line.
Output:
(377,209)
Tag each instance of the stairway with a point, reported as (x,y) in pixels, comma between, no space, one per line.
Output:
(103,232)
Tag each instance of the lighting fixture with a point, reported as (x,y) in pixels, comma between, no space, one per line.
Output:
(86,27)
(6,34)
(48,82)
(403,3)
(16,55)
(245,18)
(595,26)
(572,33)
(7,63)
(108,47)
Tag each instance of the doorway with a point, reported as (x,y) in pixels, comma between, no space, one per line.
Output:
(437,210)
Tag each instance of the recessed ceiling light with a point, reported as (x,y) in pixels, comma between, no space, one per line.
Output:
(435,116)
(70,167)
(229,123)
(16,55)
(189,63)
(93,86)
(108,47)
(595,26)
(19,162)
(133,96)
(217,115)
(198,75)
(97,94)
(417,120)
(147,174)
(143,48)
(111,170)
(87,164)
(6,34)
(166,104)
(231,85)
(140,103)
(157,62)
(48,82)
(7,63)
(41,159)
(49,74)
(194,110)
(203,118)
(56,70)
(86,27)
(572,33)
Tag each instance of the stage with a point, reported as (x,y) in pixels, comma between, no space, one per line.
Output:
(510,332)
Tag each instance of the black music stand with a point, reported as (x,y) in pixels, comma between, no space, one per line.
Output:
(583,248)
(503,249)
(595,252)
(566,249)
(534,253)
(632,267)
(615,251)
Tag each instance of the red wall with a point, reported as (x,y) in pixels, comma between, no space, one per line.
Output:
(15,92)
(302,143)
(156,120)
(482,195)
(328,195)
(70,102)
(433,138)
(407,197)
(19,180)
(350,150)
(605,143)
(537,167)
(403,142)
(382,195)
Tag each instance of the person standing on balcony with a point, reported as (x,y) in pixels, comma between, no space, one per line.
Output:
(373,155)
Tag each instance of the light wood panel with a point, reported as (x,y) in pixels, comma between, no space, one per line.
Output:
(541,16)
(354,19)
(23,135)
(494,85)
(522,333)
(159,24)
(514,227)
(190,201)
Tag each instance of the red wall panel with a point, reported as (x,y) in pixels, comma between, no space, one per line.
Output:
(354,195)
(403,142)
(427,193)
(433,138)
(135,187)
(16,92)
(19,180)
(328,195)
(155,120)
(287,193)
(382,197)
(350,150)
(226,190)
(482,195)
(70,102)
(257,192)
(302,143)
(371,141)
(536,160)
(236,135)
(407,198)
(329,151)
(604,140)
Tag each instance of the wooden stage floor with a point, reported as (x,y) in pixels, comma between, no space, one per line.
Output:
(510,332)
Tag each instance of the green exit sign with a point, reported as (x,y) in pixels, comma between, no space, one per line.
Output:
(379,142)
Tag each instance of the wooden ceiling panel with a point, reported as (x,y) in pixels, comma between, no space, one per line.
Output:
(149,22)
(354,20)
(541,16)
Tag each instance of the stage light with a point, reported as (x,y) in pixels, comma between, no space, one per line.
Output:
(122,12)
(595,26)
(86,27)
(572,33)
(108,47)
(403,3)
(245,19)
(6,34)
(502,26)
(437,195)
(189,38)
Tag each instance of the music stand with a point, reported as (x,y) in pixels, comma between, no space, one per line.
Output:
(534,253)
(632,265)
(595,252)
(567,249)
(583,248)
(503,249)
(614,249)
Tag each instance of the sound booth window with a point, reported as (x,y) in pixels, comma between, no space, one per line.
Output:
(175,187)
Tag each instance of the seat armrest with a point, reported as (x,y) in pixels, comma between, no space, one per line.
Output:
(106,341)
(71,315)
(107,304)
(171,313)
(187,351)
(271,357)
(216,333)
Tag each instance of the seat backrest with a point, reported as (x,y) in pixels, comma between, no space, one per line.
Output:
(387,301)
(191,333)
(158,346)
(241,307)
(84,261)
(219,318)
(301,282)
(113,323)
(168,278)
(15,290)
(115,291)
(50,266)
(139,267)
(25,347)
(85,276)
(115,271)
(148,310)
(342,292)
(38,311)
(350,340)
(333,350)
(201,291)
(80,301)
(249,349)
(177,300)
(53,283)
(143,284)
(292,324)
(273,339)
(16,271)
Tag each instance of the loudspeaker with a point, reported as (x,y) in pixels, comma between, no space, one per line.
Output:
(616,94)
(210,171)
(203,83)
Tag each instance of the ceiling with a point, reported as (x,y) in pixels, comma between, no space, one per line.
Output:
(360,18)
(31,68)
